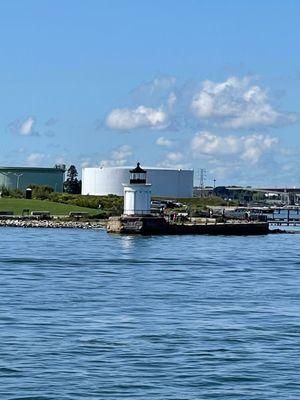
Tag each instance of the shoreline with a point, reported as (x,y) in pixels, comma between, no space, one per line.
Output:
(35,223)
(20,222)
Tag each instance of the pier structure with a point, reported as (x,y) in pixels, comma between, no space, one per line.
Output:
(289,215)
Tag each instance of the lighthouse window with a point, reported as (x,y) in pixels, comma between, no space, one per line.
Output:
(138,175)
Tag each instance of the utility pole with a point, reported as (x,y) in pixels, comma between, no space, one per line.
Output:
(18,178)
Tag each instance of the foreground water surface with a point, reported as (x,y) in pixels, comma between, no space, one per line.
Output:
(85,315)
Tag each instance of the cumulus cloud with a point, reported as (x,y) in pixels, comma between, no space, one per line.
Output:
(140,117)
(158,86)
(162,141)
(112,163)
(122,152)
(249,148)
(175,156)
(245,160)
(35,159)
(85,163)
(161,83)
(236,103)
(118,157)
(153,103)
(172,99)
(24,127)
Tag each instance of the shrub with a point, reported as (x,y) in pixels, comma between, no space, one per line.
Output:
(112,204)
(4,191)
(41,192)
(17,193)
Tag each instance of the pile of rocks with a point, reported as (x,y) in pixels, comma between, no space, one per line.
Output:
(24,223)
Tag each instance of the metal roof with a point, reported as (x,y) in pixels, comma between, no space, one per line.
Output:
(145,167)
(32,169)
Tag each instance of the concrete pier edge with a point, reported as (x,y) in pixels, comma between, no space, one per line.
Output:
(152,225)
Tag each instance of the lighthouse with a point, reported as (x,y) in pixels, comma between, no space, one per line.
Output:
(137,194)
(137,217)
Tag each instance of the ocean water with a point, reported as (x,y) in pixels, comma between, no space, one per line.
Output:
(86,315)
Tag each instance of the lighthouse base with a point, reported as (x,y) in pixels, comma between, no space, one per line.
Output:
(149,225)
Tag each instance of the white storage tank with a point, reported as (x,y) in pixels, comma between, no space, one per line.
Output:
(166,182)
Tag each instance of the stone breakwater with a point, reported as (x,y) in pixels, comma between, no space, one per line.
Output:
(19,223)
(152,225)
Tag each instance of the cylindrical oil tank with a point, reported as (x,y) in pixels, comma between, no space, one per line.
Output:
(101,181)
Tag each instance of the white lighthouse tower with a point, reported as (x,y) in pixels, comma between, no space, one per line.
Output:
(137,194)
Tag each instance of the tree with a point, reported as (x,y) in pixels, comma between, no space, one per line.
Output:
(72,184)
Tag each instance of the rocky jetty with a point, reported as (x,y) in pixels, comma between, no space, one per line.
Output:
(36,223)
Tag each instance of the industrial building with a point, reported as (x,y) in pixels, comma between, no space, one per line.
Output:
(22,177)
(165,182)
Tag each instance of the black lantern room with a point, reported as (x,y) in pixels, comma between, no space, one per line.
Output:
(138,174)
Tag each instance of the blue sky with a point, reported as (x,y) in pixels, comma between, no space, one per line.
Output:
(195,84)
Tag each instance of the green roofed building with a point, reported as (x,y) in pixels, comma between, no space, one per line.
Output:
(22,177)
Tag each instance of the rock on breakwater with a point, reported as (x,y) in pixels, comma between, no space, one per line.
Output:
(30,223)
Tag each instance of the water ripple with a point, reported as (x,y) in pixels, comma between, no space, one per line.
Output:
(85,315)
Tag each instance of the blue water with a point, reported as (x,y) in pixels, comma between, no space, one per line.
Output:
(85,315)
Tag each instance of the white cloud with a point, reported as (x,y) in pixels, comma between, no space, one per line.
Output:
(172,99)
(254,159)
(35,159)
(27,126)
(140,117)
(85,162)
(208,143)
(118,157)
(113,163)
(249,148)
(162,141)
(235,103)
(122,152)
(161,83)
(175,156)
(23,127)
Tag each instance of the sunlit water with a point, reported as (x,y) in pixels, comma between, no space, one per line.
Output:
(85,315)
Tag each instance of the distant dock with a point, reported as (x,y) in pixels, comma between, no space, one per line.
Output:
(276,216)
